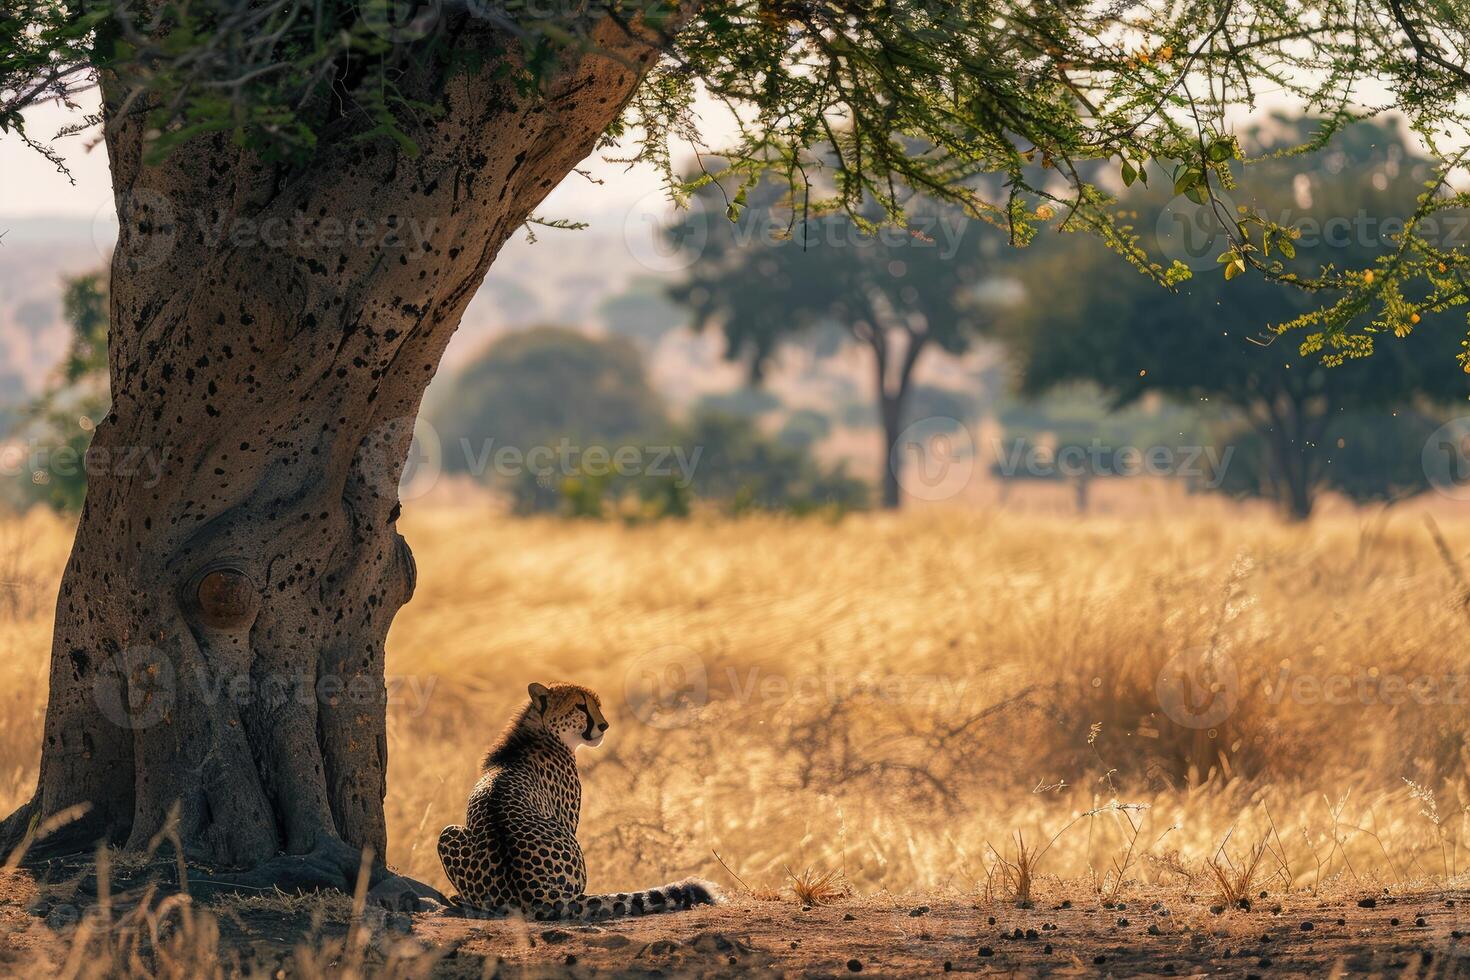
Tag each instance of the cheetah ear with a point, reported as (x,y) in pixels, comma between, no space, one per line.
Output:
(540,696)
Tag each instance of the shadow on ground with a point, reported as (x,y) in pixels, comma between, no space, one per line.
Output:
(1152,933)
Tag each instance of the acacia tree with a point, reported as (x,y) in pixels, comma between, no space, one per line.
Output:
(309,195)
(898,293)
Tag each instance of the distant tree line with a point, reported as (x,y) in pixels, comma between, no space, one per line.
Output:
(567,423)
(1068,316)
(1296,426)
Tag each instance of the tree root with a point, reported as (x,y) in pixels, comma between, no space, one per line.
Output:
(14,828)
(334,866)
(30,841)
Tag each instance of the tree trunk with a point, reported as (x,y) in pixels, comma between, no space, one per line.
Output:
(892,411)
(1298,498)
(219,640)
(893,396)
(1291,439)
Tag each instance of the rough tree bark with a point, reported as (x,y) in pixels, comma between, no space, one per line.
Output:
(219,638)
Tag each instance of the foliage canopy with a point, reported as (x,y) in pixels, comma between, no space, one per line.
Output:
(908,97)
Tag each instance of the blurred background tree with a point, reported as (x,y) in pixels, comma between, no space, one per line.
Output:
(1297,426)
(56,427)
(534,388)
(642,313)
(555,386)
(769,280)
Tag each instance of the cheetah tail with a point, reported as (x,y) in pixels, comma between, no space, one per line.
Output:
(674,897)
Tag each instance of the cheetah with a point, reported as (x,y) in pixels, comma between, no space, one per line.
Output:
(517,851)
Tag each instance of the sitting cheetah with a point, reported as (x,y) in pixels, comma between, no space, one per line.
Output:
(519,851)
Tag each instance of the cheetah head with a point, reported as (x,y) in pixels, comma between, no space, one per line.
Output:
(570,712)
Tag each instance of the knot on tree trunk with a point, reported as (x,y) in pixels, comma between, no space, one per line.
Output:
(223,597)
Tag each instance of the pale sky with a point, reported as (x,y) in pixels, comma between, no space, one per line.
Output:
(30,187)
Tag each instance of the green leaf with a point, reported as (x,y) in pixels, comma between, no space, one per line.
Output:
(1287,248)
(1220,150)
(1129,174)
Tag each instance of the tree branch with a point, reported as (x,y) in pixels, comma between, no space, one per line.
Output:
(1422,48)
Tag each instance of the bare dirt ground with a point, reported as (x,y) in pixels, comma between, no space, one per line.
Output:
(1150,933)
(1158,935)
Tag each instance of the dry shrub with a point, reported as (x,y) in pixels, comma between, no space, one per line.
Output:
(813,888)
(1235,880)
(1018,874)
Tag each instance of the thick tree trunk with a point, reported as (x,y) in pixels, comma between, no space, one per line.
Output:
(219,640)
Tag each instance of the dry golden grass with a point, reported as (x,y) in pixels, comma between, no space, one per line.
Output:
(882,696)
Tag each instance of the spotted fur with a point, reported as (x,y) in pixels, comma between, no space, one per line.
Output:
(518,851)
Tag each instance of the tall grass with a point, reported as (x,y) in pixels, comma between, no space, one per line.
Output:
(883,696)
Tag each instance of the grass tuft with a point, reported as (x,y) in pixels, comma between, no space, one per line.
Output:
(1235,881)
(815,888)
